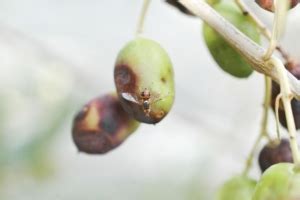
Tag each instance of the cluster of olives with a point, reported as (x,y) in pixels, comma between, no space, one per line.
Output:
(143,76)
(281,178)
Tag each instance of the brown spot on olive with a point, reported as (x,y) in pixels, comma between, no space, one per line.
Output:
(160,114)
(274,153)
(142,66)
(125,78)
(101,125)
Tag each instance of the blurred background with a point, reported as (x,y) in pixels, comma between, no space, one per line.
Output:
(55,55)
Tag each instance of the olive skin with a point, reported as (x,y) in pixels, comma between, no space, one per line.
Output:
(294,68)
(268,4)
(237,188)
(279,182)
(273,153)
(227,58)
(102,125)
(144,80)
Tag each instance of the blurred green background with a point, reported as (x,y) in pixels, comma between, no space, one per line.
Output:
(57,55)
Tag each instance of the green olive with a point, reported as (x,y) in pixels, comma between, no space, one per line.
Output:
(144,80)
(279,182)
(225,56)
(102,125)
(237,188)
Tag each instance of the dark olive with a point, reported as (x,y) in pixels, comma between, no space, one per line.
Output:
(102,125)
(274,153)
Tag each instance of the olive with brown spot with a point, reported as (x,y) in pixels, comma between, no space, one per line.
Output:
(102,125)
(144,80)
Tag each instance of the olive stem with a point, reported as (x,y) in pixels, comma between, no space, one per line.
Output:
(140,25)
(264,125)
(251,51)
(281,8)
(249,160)
(266,106)
(262,27)
(286,97)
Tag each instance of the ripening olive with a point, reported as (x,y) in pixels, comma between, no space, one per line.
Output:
(279,182)
(102,125)
(225,56)
(144,80)
(294,68)
(268,4)
(274,153)
(237,188)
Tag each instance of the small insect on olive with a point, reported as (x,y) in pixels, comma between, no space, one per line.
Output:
(139,70)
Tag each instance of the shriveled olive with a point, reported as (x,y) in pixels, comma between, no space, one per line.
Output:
(102,125)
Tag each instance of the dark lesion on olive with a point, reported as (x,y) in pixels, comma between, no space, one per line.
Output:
(93,142)
(82,113)
(125,78)
(163,79)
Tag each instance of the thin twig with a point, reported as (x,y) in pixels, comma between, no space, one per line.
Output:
(262,27)
(264,125)
(279,21)
(286,97)
(140,25)
(245,46)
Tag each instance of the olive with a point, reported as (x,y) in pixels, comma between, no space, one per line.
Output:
(274,153)
(237,188)
(144,80)
(227,58)
(279,182)
(102,125)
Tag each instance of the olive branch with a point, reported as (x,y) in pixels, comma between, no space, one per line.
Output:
(260,59)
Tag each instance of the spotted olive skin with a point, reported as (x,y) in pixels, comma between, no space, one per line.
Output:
(273,153)
(143,65)
(237,188)
(227,58)
(102,125)
(268,4)
(279,182)
(294,68)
